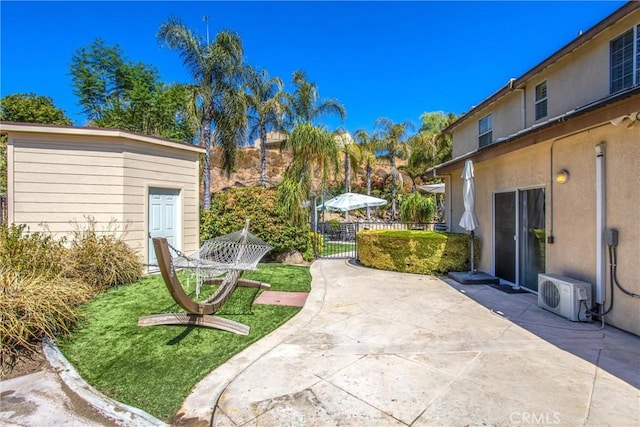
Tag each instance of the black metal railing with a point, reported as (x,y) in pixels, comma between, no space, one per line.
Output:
(338,239)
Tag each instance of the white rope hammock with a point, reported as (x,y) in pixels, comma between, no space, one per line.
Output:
(239,250)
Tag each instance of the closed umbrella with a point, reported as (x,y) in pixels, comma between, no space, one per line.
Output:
(469,220)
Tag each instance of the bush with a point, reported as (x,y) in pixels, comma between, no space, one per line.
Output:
(102,259)
(269,221)
(422,252)
(37,253)
(33,306)
(317,240)
(417,208)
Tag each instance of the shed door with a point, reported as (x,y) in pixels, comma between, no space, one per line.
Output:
(163,218)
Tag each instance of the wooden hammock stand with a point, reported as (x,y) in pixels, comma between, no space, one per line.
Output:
(197,313)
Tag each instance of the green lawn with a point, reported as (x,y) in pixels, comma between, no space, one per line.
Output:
(154,368)
(331,248)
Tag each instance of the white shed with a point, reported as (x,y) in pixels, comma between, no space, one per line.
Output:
(58,175)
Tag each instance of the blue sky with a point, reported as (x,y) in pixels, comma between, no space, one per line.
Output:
(380,59)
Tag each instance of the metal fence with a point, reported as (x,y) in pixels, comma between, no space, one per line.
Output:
(338,239)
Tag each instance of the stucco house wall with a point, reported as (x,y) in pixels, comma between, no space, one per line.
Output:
(574,207)
(573,80)
(582,113)
(59,175)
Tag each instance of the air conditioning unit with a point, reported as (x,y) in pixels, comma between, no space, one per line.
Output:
(564,296)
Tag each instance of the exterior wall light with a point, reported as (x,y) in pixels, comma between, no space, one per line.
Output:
(562,176)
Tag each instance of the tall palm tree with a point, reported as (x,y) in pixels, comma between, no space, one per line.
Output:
(365,156)
(392,137)
(267,104)
(305,103)
(315,156)
(215,67)
(315,150)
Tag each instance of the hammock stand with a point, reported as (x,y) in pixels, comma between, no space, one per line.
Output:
(245,257)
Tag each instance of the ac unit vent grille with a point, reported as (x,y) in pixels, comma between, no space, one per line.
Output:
(550,294)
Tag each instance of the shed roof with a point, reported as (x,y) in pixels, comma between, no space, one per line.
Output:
(18,127)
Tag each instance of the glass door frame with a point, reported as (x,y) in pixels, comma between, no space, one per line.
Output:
(518,237)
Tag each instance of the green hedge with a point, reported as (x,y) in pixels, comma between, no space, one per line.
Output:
(269,221)
(422,252)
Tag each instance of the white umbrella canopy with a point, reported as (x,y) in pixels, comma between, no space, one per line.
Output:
(469,220)
(432,188)
(350,201)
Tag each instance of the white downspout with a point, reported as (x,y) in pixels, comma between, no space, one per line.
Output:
(600,225)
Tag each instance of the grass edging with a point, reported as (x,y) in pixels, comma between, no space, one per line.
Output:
(112,409)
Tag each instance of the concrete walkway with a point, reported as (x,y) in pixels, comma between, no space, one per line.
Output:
(374,348)
(382,348)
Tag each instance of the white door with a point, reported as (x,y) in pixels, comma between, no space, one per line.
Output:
(163,218)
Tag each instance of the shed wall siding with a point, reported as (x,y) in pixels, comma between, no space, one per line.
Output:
(59,176)
(147,166)
(58,180)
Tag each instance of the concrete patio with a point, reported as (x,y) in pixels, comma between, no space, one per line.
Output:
(374,348)
(381,348)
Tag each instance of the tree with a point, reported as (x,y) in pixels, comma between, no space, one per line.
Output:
(117,93)
(306,106)
(31,108)
(216,67)
(314,149)
(392,137)
(315,156)
(266,102)
(433,124)
(365,156)
(27,108)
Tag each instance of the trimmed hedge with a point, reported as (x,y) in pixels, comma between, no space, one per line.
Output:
(421,252)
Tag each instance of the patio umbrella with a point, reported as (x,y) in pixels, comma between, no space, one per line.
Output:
(432,188)
(469,221)
(350,201)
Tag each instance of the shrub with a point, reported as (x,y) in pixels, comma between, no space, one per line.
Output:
(37,253)
(317,240)
(417,208)
(422,252)
(33,306)
(269,221)
(102,259)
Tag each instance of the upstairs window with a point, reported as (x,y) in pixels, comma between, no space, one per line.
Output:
(485,131)
(624,60)
(541,100)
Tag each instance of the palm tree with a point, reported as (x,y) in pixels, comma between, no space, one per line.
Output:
(305,103)
(215,67)
(392,137)
(365,156)
(421,152)
(266,101)
(315,150)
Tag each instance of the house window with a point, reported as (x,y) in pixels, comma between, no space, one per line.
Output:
(625,60)
(541,100)
(485,131)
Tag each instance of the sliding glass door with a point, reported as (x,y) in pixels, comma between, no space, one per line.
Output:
(519,236)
